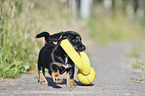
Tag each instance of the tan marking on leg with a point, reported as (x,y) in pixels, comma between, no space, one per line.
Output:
(57,77)
(42,79)
(70,82)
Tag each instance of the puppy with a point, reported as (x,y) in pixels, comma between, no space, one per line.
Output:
(54,58)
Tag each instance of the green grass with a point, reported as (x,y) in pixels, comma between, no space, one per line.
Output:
(14,47)
(105,29)
(19,24)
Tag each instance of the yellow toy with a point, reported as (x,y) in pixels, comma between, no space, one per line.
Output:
(86,74)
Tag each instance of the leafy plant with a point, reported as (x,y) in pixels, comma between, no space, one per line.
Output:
(12,70)
(142,73)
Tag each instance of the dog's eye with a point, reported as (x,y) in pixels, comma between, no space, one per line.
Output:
(75,40)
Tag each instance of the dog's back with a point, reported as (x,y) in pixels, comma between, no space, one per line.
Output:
(45,54)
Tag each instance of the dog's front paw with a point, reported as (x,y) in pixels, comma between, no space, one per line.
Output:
(42,82)
(71,83)
(57,77)
(42,79)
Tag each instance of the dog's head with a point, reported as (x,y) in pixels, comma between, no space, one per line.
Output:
(73,37)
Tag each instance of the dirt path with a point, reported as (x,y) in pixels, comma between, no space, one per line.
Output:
(115,77)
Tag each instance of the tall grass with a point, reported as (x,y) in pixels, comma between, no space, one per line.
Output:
(13,41)
(20,21)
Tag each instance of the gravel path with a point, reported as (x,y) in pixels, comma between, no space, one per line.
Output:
(115,77)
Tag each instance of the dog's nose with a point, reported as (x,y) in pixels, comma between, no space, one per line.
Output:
(83,48)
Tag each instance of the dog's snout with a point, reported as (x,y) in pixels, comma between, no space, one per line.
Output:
(83,48)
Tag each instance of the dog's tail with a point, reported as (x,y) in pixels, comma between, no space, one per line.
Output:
(45,35)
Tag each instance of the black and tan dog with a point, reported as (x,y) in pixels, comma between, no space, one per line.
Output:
(54,58)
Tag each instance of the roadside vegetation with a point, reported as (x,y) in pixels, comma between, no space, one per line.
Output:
(16,45)
(141,66)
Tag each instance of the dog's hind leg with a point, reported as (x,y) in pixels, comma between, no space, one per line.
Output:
(41,72)
(54,72)
(57,77)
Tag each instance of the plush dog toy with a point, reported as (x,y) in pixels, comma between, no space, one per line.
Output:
(86,74)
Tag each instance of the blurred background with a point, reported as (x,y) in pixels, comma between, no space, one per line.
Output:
(99,22)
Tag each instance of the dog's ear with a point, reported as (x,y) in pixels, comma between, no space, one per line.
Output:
(58,36)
